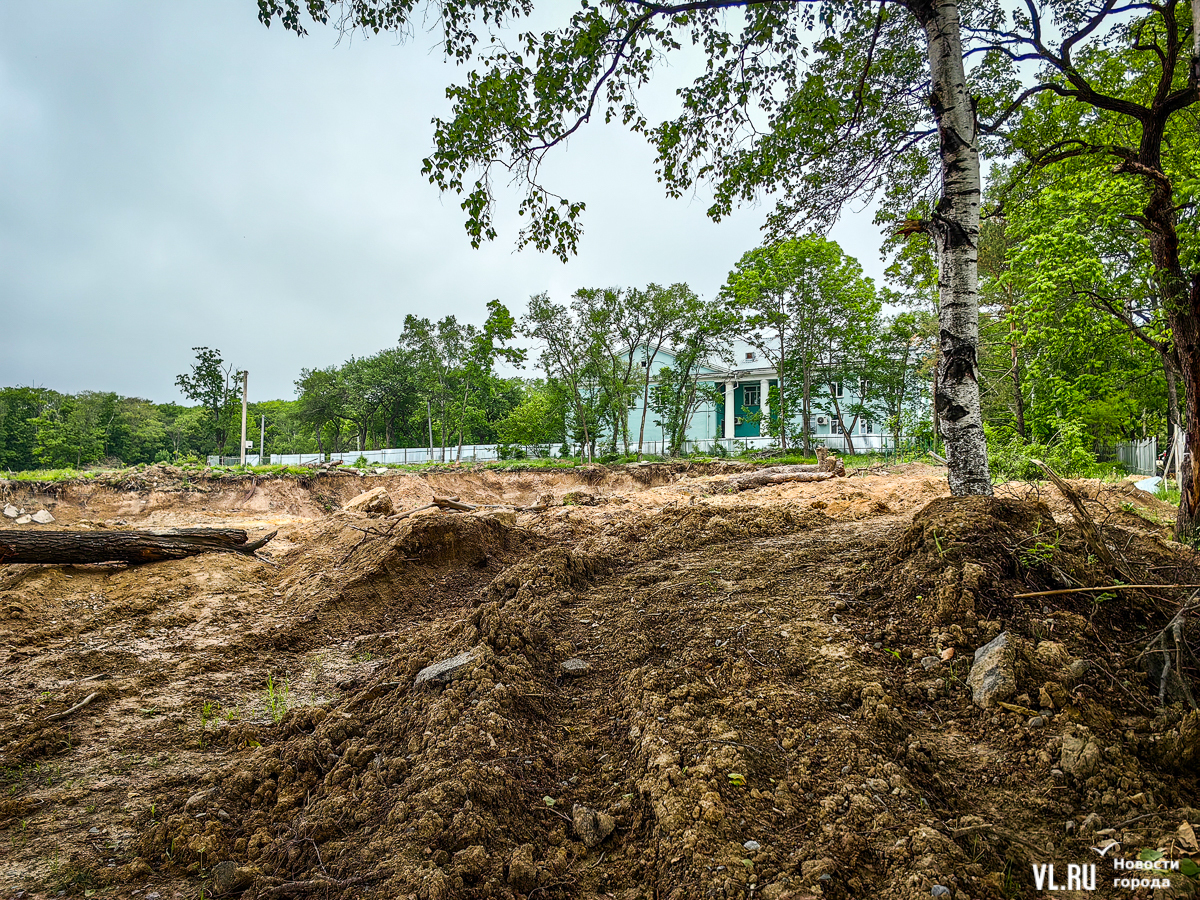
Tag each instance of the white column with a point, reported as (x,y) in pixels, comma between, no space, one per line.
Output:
(764,392)
(729,409)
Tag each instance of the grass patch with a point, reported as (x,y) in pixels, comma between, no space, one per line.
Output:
(278,697)
(1168,491)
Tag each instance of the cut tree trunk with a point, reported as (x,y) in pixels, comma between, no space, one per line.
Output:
(954,227)
(78,547)
(782,475)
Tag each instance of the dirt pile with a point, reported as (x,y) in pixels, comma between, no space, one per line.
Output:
(657,693)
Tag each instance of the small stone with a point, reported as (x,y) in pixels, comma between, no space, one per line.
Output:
(11,511)
(839,605)
(139,868)
(506,517)
(1080,754)
(23,520)
(575,667)
(591,826)
(376,501)
(443,672)
(197,800)
(939,890)
(1037,722)
(1069,827)
(993,674)
(752,846)
(227,877)
(42,517)
(930,662)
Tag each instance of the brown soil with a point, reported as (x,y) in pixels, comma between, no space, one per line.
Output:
(760,715)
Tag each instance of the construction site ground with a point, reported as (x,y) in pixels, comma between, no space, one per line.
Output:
(765,693)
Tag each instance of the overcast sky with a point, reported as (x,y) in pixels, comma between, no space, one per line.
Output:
(176,175)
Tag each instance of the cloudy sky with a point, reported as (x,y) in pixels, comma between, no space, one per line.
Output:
(176,175)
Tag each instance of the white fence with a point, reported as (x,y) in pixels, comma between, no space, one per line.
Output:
(1139,457)
(489,452)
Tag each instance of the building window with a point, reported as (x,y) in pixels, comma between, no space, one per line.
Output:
(751,356)
(867,427)
(835,425)
(836,389)
(750,396)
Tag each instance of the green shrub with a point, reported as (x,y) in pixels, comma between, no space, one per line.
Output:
(1067,453)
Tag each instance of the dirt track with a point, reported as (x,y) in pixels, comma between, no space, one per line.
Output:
(760,714)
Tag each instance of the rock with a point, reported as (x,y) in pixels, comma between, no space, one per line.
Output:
(23,520)
(930,662)
(939,890)
(42,517)
(376,501)
(11,511)
(197,800)
(1052,654)
(139,868)
(573,668)
(503,516)
(522,871)
(1080,754)
(1074,672)
(227,877)
(443,672)
(993,675)
(812,869)
(752,846)
(591,826)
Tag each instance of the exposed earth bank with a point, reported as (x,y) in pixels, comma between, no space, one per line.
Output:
(652,688)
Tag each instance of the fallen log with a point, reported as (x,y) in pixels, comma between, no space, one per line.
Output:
(774,475)
(78,547)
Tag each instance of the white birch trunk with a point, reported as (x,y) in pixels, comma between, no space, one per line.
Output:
(955,228)
(1196,40)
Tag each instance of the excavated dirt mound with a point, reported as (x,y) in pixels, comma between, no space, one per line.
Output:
(649,690)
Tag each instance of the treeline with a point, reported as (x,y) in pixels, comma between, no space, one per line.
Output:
(1074,356)
(41,428)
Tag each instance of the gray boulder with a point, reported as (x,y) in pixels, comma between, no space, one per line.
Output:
(993,675)
(443,672)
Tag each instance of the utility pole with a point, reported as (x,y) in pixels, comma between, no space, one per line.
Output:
(429,415)
(262,441)
(245,384)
